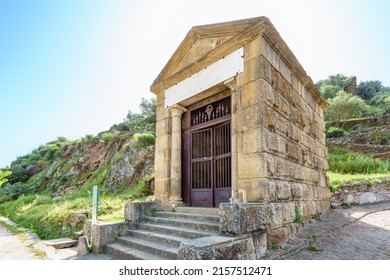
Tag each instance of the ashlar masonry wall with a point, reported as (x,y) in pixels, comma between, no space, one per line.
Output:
(281,137)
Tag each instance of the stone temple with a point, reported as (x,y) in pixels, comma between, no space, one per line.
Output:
(239,120)
(240,134)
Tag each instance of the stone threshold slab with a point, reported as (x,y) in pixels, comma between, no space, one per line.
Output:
(61,243)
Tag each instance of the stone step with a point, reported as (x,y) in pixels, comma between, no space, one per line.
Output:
(198,210)
(193,224)
(176,231)
(157,237)
(188,216)
(124,252)
(165,250)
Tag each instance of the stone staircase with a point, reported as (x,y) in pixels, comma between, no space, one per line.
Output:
(159,236)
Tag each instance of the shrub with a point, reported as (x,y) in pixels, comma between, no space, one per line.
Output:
(19,174)
(139,163)
(344,106)
(141,140)
(14,190)
(332,132)
(145,121)
(3,176)
(87,138)
(107,136)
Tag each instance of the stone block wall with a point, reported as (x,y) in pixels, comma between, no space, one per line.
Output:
(281,136)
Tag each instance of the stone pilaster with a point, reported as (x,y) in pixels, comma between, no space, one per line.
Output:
(231,83)
(175,197)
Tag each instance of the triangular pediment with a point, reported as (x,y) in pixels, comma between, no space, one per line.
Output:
(199,49)
(200,40)
(206,44)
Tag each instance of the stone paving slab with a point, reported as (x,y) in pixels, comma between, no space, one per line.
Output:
(358,233)
(61,243)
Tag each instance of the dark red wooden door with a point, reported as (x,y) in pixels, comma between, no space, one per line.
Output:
(211,165)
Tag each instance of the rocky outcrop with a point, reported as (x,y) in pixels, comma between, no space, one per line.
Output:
(113,164)
(128,166)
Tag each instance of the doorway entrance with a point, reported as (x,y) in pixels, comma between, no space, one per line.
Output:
(209,168)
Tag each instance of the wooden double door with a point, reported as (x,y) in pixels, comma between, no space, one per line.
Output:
(208,156)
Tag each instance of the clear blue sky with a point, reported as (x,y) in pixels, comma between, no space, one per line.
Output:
(71,68)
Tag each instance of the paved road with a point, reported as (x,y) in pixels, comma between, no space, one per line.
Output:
(358,233)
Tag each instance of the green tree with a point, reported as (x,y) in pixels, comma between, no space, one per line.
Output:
(148,110)
(369,89)
(19,174)
(146,120)
(334,80)
(330,91)
(382,100)
(344,106)
(3,176)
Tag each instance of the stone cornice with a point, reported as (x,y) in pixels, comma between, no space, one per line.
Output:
(253,28)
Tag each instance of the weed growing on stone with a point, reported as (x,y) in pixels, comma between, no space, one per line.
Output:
(313,238)
(31,244)
(273,246)
(346,205)
(313,248)
(38,253)
(317,217)
(153,211)
(298,215)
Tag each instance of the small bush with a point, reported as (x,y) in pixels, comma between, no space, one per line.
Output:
(19,174)
(141,140)
(14,190)
(139,163)
(107,136)
(333,132)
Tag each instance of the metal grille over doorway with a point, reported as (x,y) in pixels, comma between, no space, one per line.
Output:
(211,154)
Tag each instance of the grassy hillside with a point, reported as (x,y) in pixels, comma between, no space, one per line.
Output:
(350,155)
(49,190)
